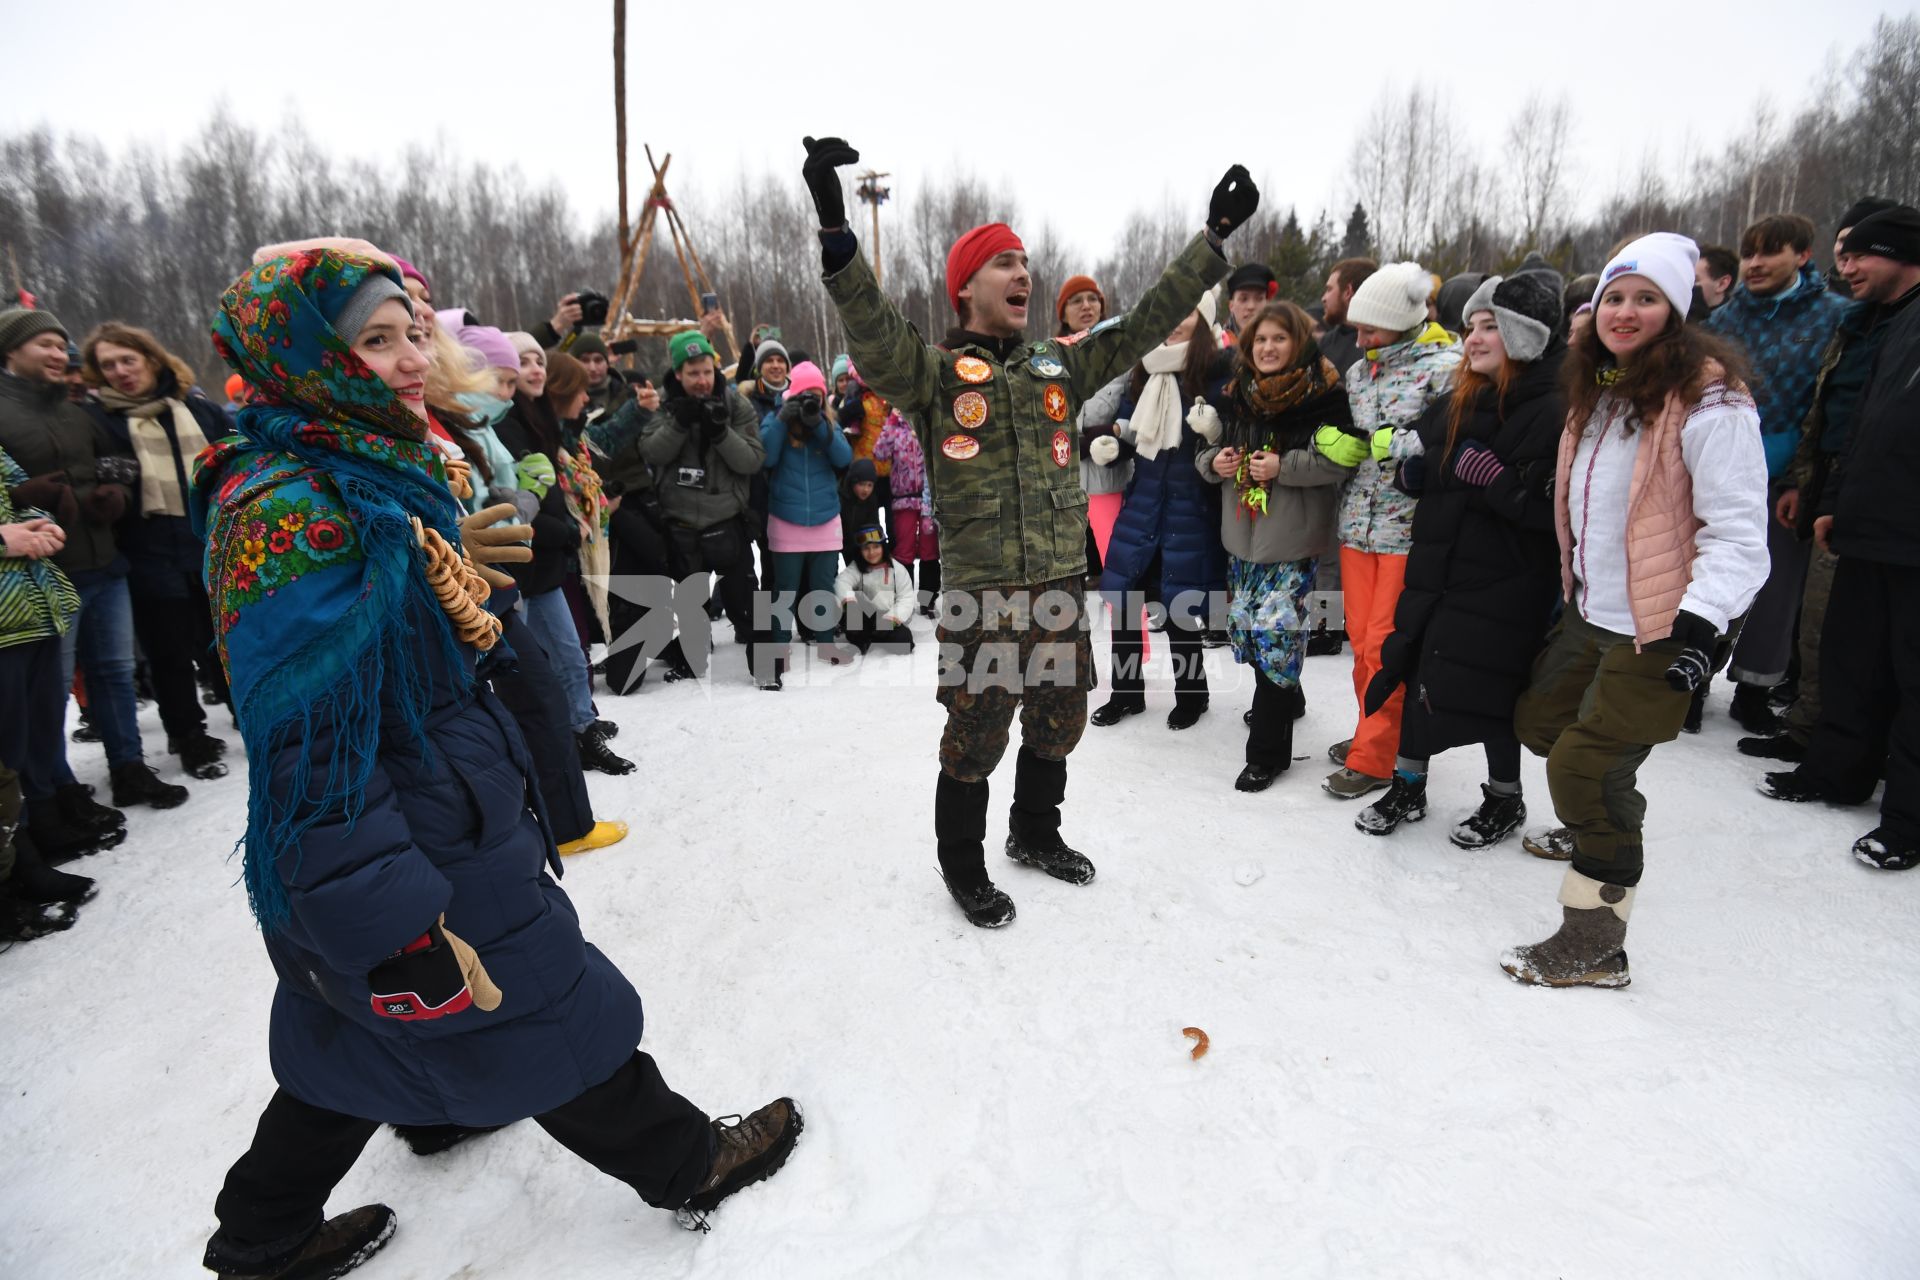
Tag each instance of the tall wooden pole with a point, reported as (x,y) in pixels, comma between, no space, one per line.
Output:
(620,123)
(871,192)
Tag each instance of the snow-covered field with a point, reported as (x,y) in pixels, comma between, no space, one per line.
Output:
(1379,1099)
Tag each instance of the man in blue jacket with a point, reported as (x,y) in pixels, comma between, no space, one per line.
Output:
(1784,315)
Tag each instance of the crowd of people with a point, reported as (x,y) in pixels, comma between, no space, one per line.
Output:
(1543,514)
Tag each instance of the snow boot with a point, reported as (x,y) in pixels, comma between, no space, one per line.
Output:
(599,836)
(960,835)
(596,754)
(1783,748)
(1118,708)
(36,882)
(1797,786)
(604,729)
(1588,950)
(200,755)
(745,1152)
(1338,751)
(1033,824)
(341,1244)
(75,824)
(1555,844)
(1324,642)
(432,1139)
(135,783)
(1498,817)
(1750,710)
(1346,784)
(1185,715)
(84,732)
(23,921)
(1405,801)
(1697,709)
(835,652)
(1876,849)
(775,682)
(1257,777)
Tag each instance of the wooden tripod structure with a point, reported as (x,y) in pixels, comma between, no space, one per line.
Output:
(633,264)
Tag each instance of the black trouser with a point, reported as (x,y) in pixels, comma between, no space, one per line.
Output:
(864,630)
(1416,741)
(177,637)
(1270,737)
(641,554)
(631,1127)
(33,712)
(1870,691)
(1183,639)
(532,692)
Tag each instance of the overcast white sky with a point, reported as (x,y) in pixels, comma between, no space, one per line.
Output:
(1153,101)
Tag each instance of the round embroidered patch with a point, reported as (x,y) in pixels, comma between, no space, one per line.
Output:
(1062,449)
(959,448)
(973,369)
(970,410)
(1055,400)
(1046,366)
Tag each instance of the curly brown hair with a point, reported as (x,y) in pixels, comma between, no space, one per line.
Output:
(138,339)
(1680,359)
(1293,321)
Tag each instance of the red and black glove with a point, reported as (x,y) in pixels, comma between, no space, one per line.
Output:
(434,975)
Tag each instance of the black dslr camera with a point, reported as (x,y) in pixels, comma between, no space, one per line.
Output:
(593,308)
(715,411)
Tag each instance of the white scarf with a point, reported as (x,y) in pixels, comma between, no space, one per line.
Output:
(1156,415)
(160,491)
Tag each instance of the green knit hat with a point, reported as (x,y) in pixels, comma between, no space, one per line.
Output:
(690,345)
(20,325)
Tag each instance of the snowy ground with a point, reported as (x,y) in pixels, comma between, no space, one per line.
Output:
(1379,1098)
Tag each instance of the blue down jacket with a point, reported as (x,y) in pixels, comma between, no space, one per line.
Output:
(1168,508)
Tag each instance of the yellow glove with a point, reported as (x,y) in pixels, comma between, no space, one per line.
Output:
(1340,448)
(488,542)
(485,995)
(1382,444)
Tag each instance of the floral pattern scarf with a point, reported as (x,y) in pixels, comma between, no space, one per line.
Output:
(313,565)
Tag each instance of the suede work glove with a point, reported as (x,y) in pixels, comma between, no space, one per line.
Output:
(1695,664)
(488,542)
(433,976)
(1339,447)
(1205,420)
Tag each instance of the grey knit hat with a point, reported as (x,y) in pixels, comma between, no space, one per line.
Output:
(1525,306)
(20,325)
(360,306)
(770,347)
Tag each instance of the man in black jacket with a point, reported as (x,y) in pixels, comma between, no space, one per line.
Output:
(1870,649)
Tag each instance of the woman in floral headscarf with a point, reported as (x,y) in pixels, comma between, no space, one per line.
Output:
(389,801)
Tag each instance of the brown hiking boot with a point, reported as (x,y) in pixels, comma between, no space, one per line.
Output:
(747,1151)
(1552,843)
(341,1244)
(1589,948)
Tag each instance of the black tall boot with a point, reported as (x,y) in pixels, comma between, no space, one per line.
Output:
(960,832)
(1269,733)
(1033,824)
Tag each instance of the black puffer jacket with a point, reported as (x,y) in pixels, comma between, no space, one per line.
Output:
(530,427)
(1484,569)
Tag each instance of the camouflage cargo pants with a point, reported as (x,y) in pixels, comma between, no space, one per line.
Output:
(1023,648)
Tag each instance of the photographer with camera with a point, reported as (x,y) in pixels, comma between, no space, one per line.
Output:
(805,453)
(581,309)
(702,440)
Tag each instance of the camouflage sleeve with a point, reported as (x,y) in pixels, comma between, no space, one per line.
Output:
(1112,347)
(888,351)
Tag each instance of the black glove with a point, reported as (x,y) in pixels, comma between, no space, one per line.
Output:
(44,491)
(821,172)
(1234,201)
(108,502)
(1695,664)
(1410,477)
(686,412)
(713,419)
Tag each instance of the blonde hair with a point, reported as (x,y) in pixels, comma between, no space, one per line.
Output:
(454,370)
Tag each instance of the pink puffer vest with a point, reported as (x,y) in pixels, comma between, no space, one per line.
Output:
(1660,520)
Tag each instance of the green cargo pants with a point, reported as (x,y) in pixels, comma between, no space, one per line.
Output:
(1596,709)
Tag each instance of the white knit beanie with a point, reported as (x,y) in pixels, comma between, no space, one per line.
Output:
(1393,298)
(1664,258)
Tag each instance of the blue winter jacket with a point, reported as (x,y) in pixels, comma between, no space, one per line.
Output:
(804,487)
(1785,338)
(1170,509)
(458,829)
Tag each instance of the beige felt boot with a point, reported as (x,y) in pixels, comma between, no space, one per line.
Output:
(1589,949)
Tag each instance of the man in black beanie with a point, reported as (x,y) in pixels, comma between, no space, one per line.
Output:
(1251,286)
(1867,517)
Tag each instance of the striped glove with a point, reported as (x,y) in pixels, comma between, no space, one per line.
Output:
(1477,465)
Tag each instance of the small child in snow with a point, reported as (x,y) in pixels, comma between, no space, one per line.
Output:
(859,504)
(916,539)
(876,593)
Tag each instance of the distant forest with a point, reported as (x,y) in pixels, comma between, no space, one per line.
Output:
(154,237)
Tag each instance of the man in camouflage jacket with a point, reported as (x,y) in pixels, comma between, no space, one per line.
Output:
(993,412)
